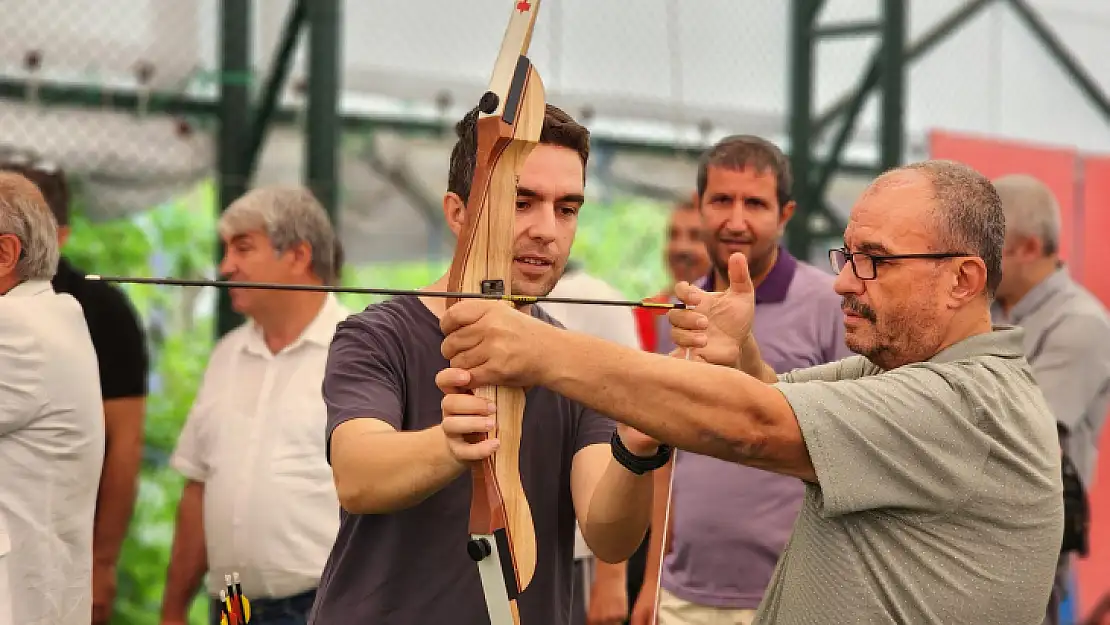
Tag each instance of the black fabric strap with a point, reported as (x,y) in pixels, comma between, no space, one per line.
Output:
(638,464)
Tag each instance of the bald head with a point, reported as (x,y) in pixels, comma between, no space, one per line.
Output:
(1031,210)
(966,208)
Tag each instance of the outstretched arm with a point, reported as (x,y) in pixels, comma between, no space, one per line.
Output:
(710,410)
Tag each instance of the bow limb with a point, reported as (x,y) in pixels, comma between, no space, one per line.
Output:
(503,540)
(665,534)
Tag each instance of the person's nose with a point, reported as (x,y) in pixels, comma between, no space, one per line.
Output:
(846,281)
(543,225)
(736,222)
(227,264)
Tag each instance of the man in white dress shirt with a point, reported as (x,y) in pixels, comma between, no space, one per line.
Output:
(259,499)
(51,424)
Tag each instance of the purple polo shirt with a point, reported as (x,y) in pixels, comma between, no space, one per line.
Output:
(731,522)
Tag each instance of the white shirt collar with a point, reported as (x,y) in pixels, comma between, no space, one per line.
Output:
(31,288)
(319,331)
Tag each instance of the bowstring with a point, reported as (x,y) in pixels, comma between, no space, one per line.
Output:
(679,116)
(666,531)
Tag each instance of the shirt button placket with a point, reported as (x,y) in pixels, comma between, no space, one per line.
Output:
(247,536)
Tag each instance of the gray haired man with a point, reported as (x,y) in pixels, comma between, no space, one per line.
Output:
(259,498)
(1067,333)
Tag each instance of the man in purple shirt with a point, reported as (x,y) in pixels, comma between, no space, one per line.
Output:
(729,522)
(395,436)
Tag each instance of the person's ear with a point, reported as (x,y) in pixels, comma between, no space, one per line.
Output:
(785,214)
(1025,248)
(454,212)
(10,249)
(969,280)
(299,257)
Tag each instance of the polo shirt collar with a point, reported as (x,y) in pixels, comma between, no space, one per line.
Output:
(1038,295)
(1004,341)
(775,285)
(30,288)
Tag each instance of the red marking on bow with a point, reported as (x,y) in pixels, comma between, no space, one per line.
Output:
(523,6)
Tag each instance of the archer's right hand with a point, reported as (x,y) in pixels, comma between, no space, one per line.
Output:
(465,415)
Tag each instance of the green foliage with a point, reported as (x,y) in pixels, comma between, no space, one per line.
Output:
(622,244)
(407,275)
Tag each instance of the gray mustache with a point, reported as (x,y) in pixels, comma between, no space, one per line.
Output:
(859,308)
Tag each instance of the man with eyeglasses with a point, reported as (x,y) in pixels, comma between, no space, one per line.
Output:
(51,424)
(123,359)
(930,458)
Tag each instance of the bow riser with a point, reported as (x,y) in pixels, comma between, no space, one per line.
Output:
(503,541)
(486,266)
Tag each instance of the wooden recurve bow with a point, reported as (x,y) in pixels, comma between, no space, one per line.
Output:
(511,113)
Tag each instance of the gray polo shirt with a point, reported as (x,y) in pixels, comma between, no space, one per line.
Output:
(939,499)
(730,522)
(1067,341)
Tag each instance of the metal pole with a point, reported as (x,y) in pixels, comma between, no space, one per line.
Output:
(275,80)
(1067,60)
(802,42)
(929,40)
(893,87)
(323,122)
(234,113)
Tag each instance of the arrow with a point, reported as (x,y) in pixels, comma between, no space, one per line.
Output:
(324,288)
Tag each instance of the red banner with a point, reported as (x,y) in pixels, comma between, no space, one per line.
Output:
(1056,167)
(1094,214)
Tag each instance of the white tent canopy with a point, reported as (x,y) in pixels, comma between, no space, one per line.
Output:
(645,66)
(641,64)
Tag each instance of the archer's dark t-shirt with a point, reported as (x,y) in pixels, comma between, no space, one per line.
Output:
(411,567)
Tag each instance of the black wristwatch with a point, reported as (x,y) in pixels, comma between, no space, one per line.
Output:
(638,464)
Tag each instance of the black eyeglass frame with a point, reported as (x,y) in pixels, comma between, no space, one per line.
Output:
(850,258)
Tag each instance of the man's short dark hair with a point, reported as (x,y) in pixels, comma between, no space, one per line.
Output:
(48,177)
(558,129)
(969,214)
(741,151)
